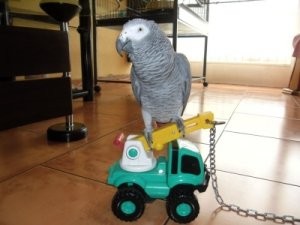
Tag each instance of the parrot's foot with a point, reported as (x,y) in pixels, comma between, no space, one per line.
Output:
(148,136)
(180,125)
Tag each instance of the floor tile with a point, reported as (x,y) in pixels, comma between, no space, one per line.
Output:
(260,195)
(21,150)
(203,135)
(221,111)
(226,94)
(123,106)
(273,108)
(269,94)
(118,89)
(265,126)
(91,161)
(97,124)
(267,158)
(46,196)
(257,156)
(297,100)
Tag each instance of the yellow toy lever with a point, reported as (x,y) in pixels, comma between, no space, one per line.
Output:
(168,133)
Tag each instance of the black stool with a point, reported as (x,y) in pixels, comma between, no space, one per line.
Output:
(63,13)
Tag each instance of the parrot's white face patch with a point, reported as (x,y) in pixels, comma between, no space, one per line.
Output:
(134,32)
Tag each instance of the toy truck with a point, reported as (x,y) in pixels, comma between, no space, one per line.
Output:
(142,178)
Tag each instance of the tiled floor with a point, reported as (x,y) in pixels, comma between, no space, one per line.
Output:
(258,156)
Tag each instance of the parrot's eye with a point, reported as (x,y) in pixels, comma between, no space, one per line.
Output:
(140,29)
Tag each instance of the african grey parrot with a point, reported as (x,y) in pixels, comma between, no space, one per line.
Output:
(160,77)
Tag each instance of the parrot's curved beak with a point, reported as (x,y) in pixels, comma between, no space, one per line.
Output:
(120,45)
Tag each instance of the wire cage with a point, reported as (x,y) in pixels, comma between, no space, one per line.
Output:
(107,8)
(110,9)
(198,7)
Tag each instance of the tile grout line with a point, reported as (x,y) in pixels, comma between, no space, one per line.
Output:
(262,136)
(259,178)
(227,121)
(73,174)
(269,116)
(86,144)
(18,174)
(224,130)
(43,164)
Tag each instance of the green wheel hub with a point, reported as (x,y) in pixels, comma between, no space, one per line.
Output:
(128,207)
(183,209)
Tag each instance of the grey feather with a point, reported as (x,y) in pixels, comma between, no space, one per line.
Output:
(136,87)
(185,71)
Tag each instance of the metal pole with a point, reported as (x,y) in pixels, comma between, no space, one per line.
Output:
(84,30)
(175,24)
(4,16)
(69,118)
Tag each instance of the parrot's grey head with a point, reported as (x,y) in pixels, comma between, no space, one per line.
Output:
(134,32)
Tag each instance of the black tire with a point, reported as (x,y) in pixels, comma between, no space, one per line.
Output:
(205,84)
(182,206)
(128,204)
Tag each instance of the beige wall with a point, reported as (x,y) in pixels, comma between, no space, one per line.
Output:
(109,62)
(245,74)
(75,55)
(249,74)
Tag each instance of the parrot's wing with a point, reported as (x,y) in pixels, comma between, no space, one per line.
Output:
(136,88)
(185,73)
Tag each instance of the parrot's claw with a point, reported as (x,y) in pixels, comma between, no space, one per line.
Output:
(180,125)
(148,136)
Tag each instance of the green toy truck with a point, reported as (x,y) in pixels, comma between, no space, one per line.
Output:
(141,178)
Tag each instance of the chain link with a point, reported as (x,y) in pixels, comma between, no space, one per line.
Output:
(234,208)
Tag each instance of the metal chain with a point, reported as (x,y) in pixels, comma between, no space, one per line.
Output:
(234,208)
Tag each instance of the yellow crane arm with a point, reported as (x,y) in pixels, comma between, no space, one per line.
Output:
(170,132)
